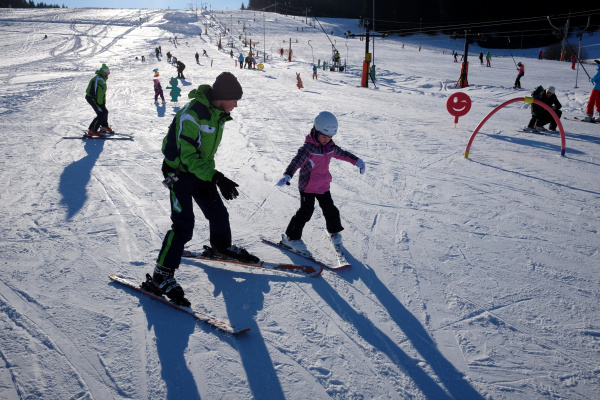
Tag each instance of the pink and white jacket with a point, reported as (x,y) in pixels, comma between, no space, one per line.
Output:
(313,161)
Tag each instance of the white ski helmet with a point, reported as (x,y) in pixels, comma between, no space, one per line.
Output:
(326,123)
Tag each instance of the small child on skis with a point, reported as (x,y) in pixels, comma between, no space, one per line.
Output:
(520,74)
(158,91)
(313,160)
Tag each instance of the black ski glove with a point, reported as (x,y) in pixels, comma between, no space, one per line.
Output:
(226,186)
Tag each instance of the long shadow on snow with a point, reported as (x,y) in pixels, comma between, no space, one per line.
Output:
(244,295)
(76,176)
(172,330)
(535,143)
(541,179)
(451,378)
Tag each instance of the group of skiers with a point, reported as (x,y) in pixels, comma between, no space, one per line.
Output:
(246,62)
(189,168)
(190,173)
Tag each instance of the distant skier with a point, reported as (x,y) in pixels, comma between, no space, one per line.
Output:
(158,91)
(156,51)
(573,61)
(540,54)
(372,73)
(95,95)
(231,53)
(539,115)
(180,68)
(481,57)
(313,160)
(520,74)
(169,57)
(315,76)
(594,96)
(488,59)
(241,61)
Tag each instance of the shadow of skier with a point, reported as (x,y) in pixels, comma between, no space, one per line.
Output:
(75,177)
(452,384)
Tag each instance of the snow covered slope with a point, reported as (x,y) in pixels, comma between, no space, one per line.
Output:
(471,278)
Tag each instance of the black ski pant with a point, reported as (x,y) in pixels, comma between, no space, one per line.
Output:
(545,117)
(187,190)
(101,114)
(305,212)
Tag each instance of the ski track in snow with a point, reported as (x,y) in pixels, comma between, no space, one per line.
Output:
(471,278)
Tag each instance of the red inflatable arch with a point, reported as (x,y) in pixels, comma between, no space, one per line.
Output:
(526,100)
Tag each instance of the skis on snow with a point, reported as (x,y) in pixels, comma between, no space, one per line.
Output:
(200,316)
(208,255)
(581,120)
(339,254)
(105,136)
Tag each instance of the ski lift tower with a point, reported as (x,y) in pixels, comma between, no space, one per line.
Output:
(365,73)
(464,71)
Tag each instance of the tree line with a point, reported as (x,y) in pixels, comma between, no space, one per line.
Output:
(27,4)
(490,24)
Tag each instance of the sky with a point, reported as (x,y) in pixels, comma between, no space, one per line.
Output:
(173,4)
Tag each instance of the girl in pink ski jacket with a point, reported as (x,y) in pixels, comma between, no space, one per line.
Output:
(313,160)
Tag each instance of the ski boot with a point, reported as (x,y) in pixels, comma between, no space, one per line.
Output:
(234,252)
(163,282)
(297,245)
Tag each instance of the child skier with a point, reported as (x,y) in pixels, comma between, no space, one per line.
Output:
(95,95)
(158,91)
(313,160)
(521,73)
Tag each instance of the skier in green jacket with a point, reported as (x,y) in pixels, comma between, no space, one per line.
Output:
(95,95)
(189,169)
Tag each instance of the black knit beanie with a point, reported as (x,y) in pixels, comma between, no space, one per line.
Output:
(227,87)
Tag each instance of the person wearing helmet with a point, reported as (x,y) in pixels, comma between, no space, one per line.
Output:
(95,95)
(313,160)
(521,73)
(539,115)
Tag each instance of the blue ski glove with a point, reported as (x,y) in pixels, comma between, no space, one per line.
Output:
(361,164)
(284,181)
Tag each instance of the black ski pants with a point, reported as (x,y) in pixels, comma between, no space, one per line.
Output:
(187,190)
(305,212)
(101,114)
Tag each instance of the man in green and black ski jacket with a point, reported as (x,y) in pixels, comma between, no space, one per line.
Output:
(189,169)
(95,95)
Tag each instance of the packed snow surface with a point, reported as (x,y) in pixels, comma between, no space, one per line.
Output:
(471,278)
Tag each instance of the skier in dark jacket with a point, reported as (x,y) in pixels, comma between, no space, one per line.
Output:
(189,149)
(539,115)
(180,68)
(95,95)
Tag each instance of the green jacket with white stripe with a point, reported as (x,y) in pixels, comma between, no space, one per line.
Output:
(195,134)
(97,88)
